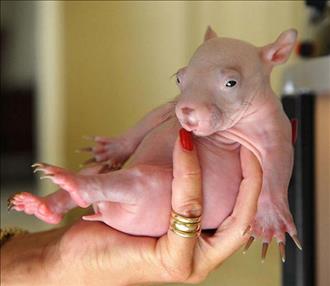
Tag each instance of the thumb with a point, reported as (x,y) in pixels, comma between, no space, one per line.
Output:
(186,202)
(186,186)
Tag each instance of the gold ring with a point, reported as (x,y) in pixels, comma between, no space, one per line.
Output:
(185,226)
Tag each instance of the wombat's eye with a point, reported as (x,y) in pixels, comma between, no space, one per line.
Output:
(231,83)
(178,80)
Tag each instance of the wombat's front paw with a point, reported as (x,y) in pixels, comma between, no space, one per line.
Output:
(273,219)
(111,153)
(33,205)
(67,180)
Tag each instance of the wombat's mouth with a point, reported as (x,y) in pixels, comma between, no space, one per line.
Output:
(200,130)
(199,123)
(202,133)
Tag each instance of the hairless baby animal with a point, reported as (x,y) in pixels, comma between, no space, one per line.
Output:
(227,102)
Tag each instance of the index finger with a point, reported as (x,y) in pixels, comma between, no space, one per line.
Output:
(186,185)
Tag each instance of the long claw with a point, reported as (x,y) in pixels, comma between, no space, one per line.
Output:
(248,244)
(264,251)
(104,169)
(281,247)
(89,161)
(85,149)
(50,176)
(10,204)
(37,169)
(296,241)
(36,165)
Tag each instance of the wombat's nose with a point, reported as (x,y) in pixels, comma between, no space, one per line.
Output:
(187,110)
(190,119)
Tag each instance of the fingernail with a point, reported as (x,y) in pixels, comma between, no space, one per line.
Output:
(186,139)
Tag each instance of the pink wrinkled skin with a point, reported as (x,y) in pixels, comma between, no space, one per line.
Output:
(226,101)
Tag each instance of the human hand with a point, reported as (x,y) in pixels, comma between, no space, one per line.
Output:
(96,252)
(93,253)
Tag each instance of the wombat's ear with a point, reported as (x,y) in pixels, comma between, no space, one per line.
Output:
(209,34)
(279,51)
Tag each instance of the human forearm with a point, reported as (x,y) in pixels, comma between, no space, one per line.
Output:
(85,253)
(28,260)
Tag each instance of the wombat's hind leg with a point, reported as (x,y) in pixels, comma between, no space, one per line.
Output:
(127,186)
(67,180)
(34,205)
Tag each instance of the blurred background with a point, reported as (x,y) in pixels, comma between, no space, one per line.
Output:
(75,68)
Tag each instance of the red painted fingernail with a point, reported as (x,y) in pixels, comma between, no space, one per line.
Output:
(186,139)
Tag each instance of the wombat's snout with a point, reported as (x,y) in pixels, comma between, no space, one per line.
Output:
(200,118)
(189,118)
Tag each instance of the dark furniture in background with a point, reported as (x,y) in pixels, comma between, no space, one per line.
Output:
(17,131)
(300,266)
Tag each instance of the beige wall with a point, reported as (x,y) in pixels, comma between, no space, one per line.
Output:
(119,56)
(322,184)
(118,59)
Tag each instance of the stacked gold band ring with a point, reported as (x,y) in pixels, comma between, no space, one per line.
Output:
(185,226)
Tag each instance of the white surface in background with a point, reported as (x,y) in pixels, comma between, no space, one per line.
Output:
(308,75)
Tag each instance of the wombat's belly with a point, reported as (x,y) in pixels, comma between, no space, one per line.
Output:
(221,173)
